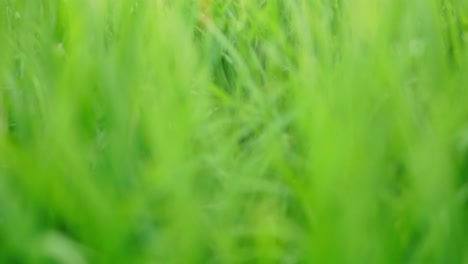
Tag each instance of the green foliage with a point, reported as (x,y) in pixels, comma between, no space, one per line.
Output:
(321,131)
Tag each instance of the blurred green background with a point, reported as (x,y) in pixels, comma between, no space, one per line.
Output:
(233,131)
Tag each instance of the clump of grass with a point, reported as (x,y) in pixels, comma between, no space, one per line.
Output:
(233,131)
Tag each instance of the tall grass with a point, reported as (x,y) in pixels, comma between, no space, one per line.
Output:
(234,131)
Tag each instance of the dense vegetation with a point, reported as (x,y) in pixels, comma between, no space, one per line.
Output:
(234,131)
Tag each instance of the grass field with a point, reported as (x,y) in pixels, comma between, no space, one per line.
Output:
(233,131)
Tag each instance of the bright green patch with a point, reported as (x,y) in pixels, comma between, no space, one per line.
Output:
(276,131)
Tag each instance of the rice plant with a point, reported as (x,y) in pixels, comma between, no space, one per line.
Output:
(233,131)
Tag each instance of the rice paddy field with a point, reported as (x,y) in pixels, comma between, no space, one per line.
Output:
(233,131)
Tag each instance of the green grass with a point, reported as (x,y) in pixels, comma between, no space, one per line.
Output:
(281,131)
